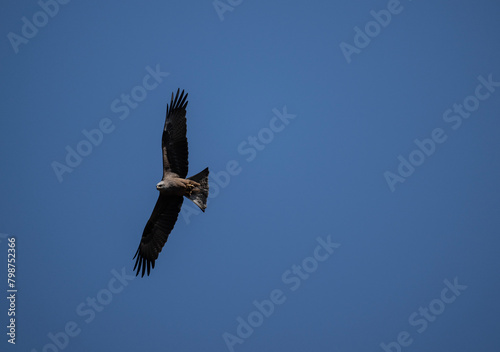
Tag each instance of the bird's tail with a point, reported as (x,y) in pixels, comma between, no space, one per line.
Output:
(200,194)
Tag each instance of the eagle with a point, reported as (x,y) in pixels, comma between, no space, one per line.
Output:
(173,187)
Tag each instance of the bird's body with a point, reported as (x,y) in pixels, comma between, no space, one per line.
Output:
(172,184)
(173,187)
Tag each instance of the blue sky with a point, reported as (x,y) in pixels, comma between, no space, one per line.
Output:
(354,158)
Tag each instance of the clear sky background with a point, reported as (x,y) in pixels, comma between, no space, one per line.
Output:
(401,238)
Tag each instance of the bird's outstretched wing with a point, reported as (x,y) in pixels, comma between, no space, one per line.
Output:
(174,141)
(156,232)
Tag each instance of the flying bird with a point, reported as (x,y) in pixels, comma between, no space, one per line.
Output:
(173,187)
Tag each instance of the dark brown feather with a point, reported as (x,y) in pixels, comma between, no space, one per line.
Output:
(174,140)
(156,232)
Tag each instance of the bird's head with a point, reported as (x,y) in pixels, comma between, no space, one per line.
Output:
(160,186)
